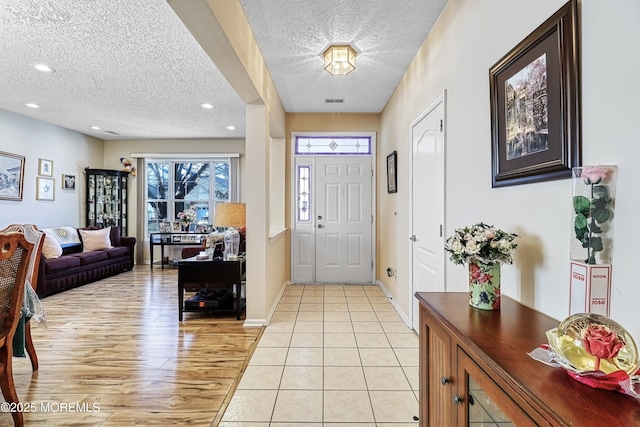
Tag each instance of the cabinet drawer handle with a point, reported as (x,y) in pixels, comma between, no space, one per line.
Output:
(445,380)
(457,399)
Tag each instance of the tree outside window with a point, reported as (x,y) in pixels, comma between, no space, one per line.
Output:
(174,186)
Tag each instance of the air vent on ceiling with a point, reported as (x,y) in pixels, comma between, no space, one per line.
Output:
(334,100)
(112,132)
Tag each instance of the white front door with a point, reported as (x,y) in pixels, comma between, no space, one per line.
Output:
(333,226)
(427,197)
(343,219)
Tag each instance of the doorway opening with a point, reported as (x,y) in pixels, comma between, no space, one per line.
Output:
(333,220)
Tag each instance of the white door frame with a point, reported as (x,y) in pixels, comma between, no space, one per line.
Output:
(442,99)
(293,196)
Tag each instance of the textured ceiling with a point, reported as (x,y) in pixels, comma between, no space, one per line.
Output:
(127,66)
(292,34)
(133,69)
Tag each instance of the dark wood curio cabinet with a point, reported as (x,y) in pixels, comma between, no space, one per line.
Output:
(106,196)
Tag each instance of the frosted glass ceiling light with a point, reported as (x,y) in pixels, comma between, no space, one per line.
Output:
(339,60)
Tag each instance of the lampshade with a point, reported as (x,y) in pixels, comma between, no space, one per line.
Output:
(339,60)
(230,215)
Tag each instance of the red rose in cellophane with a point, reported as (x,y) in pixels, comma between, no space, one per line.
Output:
(601,342)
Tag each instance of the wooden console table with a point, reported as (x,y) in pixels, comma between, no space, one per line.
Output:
(194,274)
(173,239)
(473,359)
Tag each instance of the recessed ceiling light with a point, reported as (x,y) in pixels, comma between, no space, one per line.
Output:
(231,127)
(32,105)
(44,68)
(95,127)
(207,106)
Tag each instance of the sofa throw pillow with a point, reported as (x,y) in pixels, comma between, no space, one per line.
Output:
(94,240)
(67,236)
(51,247)
(115,236)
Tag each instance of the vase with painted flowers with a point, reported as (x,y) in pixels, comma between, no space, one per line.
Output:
(484,249)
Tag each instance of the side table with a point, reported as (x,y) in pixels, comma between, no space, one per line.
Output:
(194,274)
(173,239)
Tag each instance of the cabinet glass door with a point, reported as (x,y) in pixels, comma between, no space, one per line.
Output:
(106,199)
(482,410)
(481,402)
(123,202)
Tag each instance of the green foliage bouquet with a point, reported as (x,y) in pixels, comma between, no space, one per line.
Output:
(592,210)
(481,244)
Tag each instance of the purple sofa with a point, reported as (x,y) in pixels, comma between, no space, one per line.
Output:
(76,268)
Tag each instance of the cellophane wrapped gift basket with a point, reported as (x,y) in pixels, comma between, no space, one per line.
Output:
(594,350)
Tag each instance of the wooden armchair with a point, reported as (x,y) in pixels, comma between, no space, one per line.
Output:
(35,237)
(14,265)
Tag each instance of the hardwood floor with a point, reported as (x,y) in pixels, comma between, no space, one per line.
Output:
(114,354)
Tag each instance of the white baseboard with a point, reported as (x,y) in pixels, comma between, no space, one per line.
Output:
(277,300)
(253,323)
(401,313)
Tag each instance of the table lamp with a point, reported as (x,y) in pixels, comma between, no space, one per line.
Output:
(230,215)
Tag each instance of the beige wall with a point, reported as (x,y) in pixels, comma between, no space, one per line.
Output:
(467,40)
(70,152)
(330,122)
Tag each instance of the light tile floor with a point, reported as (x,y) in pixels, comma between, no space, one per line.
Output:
(333,355)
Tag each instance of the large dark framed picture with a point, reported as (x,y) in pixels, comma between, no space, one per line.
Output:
(535,104)
(392,178)
(11,176)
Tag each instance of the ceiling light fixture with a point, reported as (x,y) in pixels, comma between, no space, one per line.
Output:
(95,127)
(339,59)
(231,127)
(207,106)
(32,105)
(44,68)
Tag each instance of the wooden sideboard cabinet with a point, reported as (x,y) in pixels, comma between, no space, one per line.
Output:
(475,370)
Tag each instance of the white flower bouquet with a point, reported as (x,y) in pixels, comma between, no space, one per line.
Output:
(481,244)
(188,216)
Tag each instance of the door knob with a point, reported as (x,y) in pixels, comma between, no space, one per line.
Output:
(413,238)
(457,399)
(320,226)
(445,381)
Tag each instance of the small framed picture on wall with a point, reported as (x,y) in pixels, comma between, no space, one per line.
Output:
(392,179)
(44,188)
(68,182)
(45,167)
